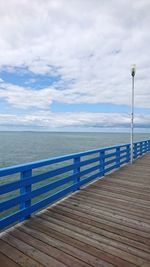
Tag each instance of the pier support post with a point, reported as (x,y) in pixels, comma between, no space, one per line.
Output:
(141,148)
(102,162)
(128,154)
(148,145)
(76,171)
(117,157)
(25,189)
(135,151)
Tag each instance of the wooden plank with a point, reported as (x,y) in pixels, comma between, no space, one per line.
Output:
(123,182)
(7,262)
(114,217)
(108,220)
(96,234)
(106,207)
(102,196)
(115,205)
(136,175)
(121,196)
(110,199)
(16,255)
(30,251)
(64,246)
(64,258)
(124,185)
(103,224)
(111,204)
(127,191)
(78,221)
(92,239)
(83,245)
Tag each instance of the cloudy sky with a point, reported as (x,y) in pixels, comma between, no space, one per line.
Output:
(65,64)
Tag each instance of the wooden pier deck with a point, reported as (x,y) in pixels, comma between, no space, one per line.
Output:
(106,224)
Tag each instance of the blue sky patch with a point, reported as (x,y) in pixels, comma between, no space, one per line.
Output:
(100,107)
(21,76)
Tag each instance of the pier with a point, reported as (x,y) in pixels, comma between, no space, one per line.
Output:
(93,210)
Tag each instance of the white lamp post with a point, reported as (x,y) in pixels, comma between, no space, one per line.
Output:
(133,70)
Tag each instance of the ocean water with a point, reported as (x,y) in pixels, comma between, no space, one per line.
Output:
(22,147)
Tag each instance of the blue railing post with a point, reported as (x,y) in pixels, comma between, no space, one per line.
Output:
(148,145)
(141,148)
(135,151)
(144,146)
(128,153)
(76,171)
(25,189)
(102,162)
(117,157)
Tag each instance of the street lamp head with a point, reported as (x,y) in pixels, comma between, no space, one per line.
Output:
(133,70)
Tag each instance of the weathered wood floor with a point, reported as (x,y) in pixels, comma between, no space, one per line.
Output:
(105,224)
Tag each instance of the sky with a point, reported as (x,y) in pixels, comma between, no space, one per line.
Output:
(65,65)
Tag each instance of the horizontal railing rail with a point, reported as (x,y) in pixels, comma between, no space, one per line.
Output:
(27,188)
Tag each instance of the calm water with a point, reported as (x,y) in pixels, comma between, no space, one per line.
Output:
(21,147)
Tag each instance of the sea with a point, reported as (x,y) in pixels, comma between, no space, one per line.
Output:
(23,147)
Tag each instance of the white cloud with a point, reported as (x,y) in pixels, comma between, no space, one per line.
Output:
(51,121)
(92,42)
(25,98)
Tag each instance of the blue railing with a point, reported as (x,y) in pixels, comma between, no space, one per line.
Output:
(26,188)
